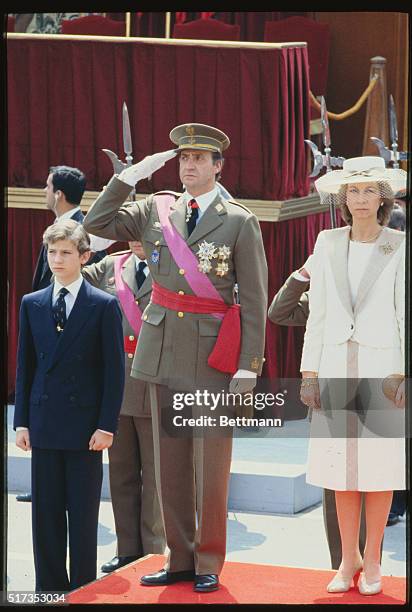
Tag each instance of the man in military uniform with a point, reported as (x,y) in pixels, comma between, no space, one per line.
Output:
(136,509)
(199,245)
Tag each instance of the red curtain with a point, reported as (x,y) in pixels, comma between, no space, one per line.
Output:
(252,23)
(65,100)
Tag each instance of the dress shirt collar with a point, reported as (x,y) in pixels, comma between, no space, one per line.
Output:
(73,288)
(68,214)
(137,260)
(203,200)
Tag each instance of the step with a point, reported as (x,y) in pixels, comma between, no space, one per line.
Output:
(267,473)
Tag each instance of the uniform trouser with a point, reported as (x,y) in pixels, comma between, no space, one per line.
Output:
(65,480)
(136,509)
(192,476)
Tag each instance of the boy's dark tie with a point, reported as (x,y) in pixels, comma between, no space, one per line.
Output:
(59,310)
(140,275)
(191,224)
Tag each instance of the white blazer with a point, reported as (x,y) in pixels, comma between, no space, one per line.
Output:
(377,319)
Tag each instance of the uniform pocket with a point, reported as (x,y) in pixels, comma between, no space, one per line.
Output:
(157,251)
(149,346)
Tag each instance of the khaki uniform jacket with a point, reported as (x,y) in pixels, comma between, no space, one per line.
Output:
(174,349)
(136,401)
(290,306)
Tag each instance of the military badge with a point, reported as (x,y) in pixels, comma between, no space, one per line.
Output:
(224,252)
(205,266)
(155,256)
(386,248)
(222,268)
(206,252)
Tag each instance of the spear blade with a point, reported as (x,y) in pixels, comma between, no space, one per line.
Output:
(127,136)
(393,120)
(325,122)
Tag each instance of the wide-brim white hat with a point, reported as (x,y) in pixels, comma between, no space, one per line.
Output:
(362,170)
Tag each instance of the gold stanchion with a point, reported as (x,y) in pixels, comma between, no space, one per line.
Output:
(167,25)
(128,24)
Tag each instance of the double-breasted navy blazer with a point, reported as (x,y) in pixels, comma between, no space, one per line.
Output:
(70,383)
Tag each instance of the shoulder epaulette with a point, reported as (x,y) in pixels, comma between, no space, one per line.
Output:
(241,205)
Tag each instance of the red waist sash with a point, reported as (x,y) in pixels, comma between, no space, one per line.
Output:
(225,353)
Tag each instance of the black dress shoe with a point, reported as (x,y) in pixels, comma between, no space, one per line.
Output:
(116,563)
(392,519)
(24,497)
(163,577)
(206,583)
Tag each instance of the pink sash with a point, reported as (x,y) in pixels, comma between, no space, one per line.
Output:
(126,298)
(184,257)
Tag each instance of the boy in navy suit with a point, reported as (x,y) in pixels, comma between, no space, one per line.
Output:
(69,389)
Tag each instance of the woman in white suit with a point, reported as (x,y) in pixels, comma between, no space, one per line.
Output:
(355,331)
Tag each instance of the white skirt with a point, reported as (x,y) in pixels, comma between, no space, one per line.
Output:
(357,451)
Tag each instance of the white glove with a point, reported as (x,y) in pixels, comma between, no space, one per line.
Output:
(99,244)
(145,168)
(243,381)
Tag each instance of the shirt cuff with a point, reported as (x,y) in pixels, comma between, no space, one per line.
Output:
(22,429)
(106,432)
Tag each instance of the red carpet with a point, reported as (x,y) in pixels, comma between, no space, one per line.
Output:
(240,583)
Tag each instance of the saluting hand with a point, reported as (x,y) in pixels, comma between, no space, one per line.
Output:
(145,168)
(100,440)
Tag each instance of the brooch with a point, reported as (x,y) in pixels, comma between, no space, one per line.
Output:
(386,248)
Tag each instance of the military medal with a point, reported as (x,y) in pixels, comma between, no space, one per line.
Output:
(222,267)
(206,252)
(224,252)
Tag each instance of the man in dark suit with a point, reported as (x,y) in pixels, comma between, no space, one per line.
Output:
(64,191)
(69,389)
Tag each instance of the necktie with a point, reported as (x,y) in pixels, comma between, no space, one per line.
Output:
(59,310)
(140,275)
(191,223)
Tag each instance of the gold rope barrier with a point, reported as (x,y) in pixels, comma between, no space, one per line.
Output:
(351,111)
